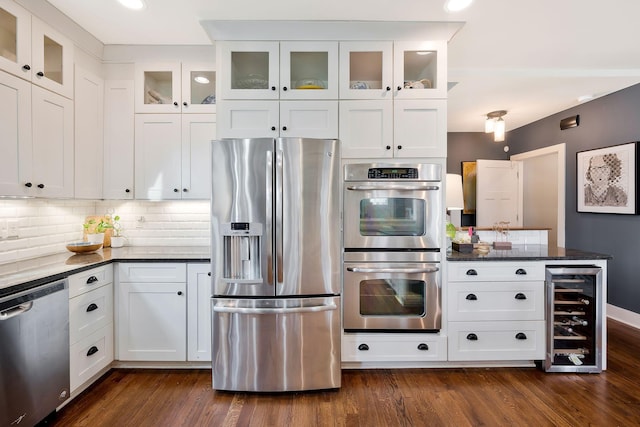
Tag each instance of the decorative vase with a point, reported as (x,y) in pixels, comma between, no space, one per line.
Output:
(117,241)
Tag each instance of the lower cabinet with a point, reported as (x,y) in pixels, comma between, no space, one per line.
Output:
(364,347)
(199,312)
(152,312)
(90,324)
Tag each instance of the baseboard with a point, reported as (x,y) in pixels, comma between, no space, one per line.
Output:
(625,316)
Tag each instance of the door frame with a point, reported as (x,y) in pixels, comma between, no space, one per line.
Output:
(560,151)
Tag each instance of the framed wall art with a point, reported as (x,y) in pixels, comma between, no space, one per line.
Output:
(606,179)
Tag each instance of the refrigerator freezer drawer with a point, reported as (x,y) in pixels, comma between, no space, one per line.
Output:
(272,345)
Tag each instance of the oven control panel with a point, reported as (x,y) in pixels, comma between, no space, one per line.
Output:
(393,173)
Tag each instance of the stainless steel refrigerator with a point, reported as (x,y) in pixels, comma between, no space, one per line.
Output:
(275,253)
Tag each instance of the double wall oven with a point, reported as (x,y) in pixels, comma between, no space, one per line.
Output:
(392,233)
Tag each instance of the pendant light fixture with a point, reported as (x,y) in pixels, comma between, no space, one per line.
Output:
(495,123)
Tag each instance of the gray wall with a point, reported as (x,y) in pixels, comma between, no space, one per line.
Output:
(610,120)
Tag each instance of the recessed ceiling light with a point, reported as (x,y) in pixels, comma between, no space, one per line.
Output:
(456,5)
(423,52)
(133,4)
(201,79)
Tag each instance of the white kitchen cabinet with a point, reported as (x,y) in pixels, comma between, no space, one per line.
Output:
(32,50)
(172,158)
(420,128)
(152,312)
(37,140)
(52,170)
(496,311)
(248,70)
(366,70)
(308,70)
(173,87)
(15,136)
(90,325)
(199,312)
(366,128)
(420,69)
(394,348)
(89,140)
(256,119)
(119,136)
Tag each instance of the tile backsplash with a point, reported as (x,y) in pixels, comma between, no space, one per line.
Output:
(31,228)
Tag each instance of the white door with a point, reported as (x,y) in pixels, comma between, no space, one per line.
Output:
(309,119)
(199,312)
(420,128)
(198,130)
(366,128)
(248,119)
(498,193)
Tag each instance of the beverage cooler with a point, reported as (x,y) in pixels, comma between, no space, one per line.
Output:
(574,319)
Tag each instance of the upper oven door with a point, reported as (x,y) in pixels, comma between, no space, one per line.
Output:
(392,215)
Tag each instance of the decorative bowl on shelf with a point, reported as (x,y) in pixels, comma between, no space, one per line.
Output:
(310,83)
(83,247)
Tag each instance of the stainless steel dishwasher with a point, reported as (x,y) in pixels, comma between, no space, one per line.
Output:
(34,353)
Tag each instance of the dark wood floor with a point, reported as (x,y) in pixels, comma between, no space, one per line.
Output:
(400,397)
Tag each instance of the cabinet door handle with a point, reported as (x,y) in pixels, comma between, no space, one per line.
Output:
(471,297)
(40,186)
(40,74)
(472,272)
(93,350)
(399,147)
(521,272)
(284,88)
(26,67)
(284,128)
(388,147)
(472,337)
(179,292)
(175,190)
(520,295)
(273,88)
(273,128)
(185,104)
(388,88)
(126,190)
(521,336)
(422,346)
(209,274)
(175,103)
(399,87)
(185,190)
(363,347)
(28,185)
(91,280)
(92,307)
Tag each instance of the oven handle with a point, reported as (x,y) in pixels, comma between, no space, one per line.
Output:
(393,187)
(392,270)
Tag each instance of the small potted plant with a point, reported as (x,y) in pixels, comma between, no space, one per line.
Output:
(117,240)
(95,230)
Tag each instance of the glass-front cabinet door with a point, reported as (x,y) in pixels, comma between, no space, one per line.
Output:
(157,87)
(249,70)
(198,88)
(309,70)
(52,56)
(366,70)
(420,70)
(15,39)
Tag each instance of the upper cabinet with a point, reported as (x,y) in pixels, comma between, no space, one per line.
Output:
(32,50)
(420,69)
(366,70)
(308,70)
(175,88)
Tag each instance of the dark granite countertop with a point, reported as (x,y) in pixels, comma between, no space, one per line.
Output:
(527,253)
(28,274)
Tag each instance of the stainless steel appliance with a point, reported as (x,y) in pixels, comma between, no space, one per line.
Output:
(275,225)
(392,233)
(34,361)
(574,316)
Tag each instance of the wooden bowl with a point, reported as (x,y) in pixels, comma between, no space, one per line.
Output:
(83,247)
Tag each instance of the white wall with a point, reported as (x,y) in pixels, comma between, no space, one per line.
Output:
(46,226)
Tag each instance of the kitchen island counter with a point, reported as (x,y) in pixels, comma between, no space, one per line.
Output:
(527,253)
(23,275)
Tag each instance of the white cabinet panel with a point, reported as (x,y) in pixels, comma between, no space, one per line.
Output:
(248,119)
(393,347)
(15,45)
(198,130)
(309,119)
(89,312)
(199,312)
(119,137)
(420,128)
(366,129)
(90,355)
(52,57)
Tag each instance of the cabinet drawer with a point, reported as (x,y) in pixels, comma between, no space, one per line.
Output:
(497,340)
(90,279)
(393,348)
(152,272)
(503,270)
(495,301)
(89,312)
(91,354)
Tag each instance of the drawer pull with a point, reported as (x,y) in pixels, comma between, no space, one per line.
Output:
(91,280)
(521,336)
(93,350)
(520,295)
(422,346)
(472,337)
(92,307)
(363,347)
(521,272)
(471,297)
(472,272)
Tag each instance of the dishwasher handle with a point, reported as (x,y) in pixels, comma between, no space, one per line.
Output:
(16,310)
(393,270)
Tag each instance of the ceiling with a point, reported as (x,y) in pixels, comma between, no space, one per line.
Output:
(531,58)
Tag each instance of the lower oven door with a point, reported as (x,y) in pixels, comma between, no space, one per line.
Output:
(393,296)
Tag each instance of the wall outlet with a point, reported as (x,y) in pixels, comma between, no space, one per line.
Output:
(13,229)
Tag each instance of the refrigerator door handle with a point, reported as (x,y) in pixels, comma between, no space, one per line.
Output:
(279,235)
(291,310)
(269,216)
(392,270)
